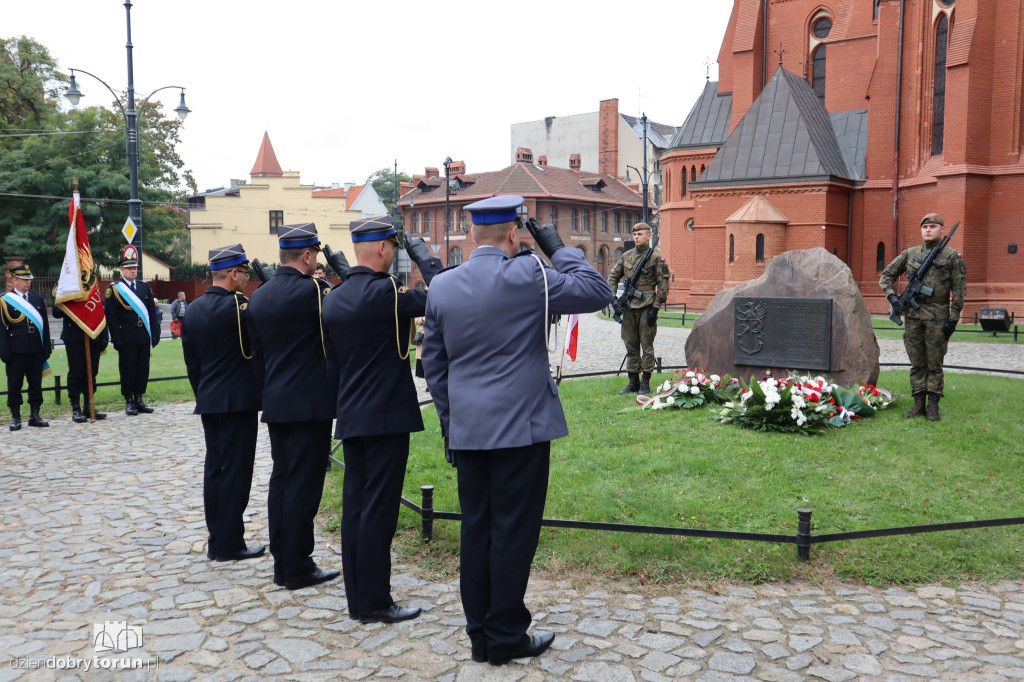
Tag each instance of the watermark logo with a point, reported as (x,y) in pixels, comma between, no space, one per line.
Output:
(116,635)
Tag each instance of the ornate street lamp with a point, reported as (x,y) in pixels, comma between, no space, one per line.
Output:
(645,177)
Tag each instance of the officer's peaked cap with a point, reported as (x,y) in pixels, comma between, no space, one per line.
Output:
(22,272)
(300,236)
(227,257)
(500,209)
(373,230)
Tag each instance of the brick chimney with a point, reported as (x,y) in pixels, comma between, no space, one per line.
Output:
(574,162)
(432,172)
(457,167)
(542,160)
(608,137)
(524,155)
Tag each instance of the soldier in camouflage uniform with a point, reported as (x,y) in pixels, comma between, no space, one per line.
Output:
(640,317)
(929,327)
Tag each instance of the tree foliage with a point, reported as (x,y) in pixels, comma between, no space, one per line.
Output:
(383,182)
(36,173)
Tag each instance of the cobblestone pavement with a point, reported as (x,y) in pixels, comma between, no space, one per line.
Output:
(115,532)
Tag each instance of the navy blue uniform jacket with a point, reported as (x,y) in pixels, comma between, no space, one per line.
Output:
(215,344)
(124,325)
(287,340)
(376,393)
(484,345)
(18,338)
(71,333)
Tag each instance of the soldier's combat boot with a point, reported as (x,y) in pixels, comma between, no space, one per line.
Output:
(645,383)
(35,420)
(130,409)
(142,407)
(933,407)
(15,419)
(76,414)
(918,408)
(634,384)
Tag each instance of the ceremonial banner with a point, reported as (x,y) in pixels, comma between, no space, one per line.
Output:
(572,336)
(77,292)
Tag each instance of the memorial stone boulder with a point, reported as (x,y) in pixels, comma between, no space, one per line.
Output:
(806,309)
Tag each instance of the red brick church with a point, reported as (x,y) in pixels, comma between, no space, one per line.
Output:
(839,124)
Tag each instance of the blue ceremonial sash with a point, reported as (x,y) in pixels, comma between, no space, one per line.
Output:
(137,305)
(29,311)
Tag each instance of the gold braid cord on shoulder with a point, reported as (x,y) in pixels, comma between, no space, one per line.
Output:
(7,313)
(241,344)
(398,339)
(320,309)
(121,300)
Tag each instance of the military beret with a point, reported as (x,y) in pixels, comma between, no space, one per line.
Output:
(22,272)
(227,257)
(933,218)
(640,226)
(298,236)
(373,230)
(501,209)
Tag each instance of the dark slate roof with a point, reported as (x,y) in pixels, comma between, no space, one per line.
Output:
(658,134)
(531,181)
(708,122)
(786,134)
(851,129)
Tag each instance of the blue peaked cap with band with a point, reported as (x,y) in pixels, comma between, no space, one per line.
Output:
(227,257)
(501,209)
(299,236)
(373,230)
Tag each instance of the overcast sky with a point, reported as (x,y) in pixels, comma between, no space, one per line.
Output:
(346,88)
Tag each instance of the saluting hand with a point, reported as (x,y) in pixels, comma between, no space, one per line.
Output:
(546,237)
(337,261)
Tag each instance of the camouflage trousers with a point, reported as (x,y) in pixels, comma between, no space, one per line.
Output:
(926,347)
(639,338)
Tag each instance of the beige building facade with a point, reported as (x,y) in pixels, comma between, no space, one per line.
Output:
(248,213)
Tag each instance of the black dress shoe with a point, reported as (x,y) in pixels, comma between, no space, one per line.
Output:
(392,614)
(279,580)
(240,555)
(99,415)
(478,653)
(130,409)
(35,420)
(16,422)
(314,577)
(77,416)
(534,645)
(142,407)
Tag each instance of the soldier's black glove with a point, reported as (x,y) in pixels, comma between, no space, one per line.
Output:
(337,261)
(419,252)
(264,272)
(156,341)
(652,317)
(897,307)
(546,237)
(449,456)
(948,327)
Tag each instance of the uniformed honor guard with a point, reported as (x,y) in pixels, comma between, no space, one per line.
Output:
(134,330)
(486,364)
(74,338)
(228,388)
(368,325)
(24,345)
(298,401)
(926,336)
(640,317)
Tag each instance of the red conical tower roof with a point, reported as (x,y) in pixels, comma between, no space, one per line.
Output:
(266,161)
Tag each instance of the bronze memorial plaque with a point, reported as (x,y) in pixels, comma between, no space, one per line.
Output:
(795,333)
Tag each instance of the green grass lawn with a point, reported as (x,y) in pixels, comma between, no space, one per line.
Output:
(167,361)
(681,468)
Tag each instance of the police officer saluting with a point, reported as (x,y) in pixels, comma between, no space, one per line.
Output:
(368,322)
(926,336)
(486,364)
(228,389)
(24,345)
(298,401)
(134,331)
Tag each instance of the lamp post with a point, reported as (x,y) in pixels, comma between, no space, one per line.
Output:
(131,117)
(645,177)
(447,210)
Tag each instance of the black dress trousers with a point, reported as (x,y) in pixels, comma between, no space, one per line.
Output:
(77,384)
(374,473)
(227,477)
(22,367)
(133,363)
(300,451)
(502,496)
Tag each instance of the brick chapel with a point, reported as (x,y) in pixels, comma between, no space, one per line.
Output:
(839,124)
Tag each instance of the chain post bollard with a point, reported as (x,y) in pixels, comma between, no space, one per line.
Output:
(427,492)
(803,534)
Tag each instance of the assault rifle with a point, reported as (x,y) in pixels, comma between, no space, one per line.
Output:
(629,290)
(914,285)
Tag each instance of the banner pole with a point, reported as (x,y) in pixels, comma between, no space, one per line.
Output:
(88,379)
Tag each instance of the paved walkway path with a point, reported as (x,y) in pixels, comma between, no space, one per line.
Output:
(114,532)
